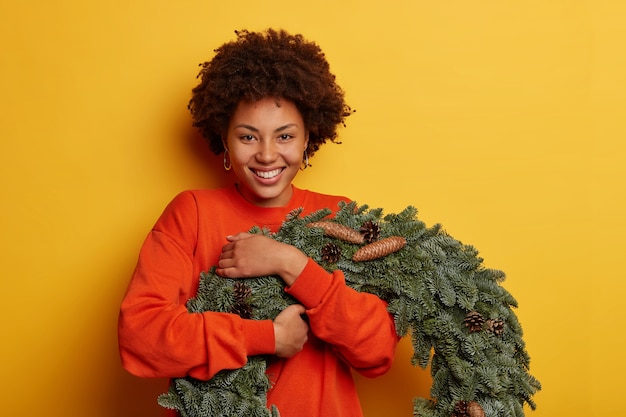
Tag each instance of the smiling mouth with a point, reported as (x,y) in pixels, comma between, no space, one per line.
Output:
(268,174)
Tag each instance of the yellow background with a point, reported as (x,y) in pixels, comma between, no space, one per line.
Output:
(503,120)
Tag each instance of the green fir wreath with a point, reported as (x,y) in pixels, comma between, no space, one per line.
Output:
(455,311)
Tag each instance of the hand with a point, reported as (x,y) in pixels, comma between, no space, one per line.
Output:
(290,331)
(248,255)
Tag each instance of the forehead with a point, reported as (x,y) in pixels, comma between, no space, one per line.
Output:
(266,111)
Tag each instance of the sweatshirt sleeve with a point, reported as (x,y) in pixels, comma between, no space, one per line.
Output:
(157,336)
(357,324)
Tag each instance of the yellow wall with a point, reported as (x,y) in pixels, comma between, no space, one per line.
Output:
(504,120)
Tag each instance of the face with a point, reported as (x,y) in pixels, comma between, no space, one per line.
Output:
(266,140)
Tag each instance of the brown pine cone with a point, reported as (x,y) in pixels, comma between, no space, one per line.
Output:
(495,326)
(331,253)
(379,249)
(241,292)
(475,410)
(460,409)
(370,231)
(474,321)
(242,309)
(339,231)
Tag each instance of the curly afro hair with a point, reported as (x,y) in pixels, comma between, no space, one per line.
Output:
(269,64)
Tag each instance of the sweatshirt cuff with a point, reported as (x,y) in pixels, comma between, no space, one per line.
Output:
(311,285)
(258,336)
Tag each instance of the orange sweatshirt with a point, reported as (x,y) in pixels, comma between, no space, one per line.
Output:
(158,337)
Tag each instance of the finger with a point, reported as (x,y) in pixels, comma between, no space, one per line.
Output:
(228,247)
(227,273)
(222,272)
(297,308)
(238,236)
(227,254)
(224,263)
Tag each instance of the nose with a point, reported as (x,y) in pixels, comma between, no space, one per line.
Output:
(267,152)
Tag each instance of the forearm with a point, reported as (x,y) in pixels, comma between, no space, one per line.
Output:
(292,263)
(168,341)
(356,324)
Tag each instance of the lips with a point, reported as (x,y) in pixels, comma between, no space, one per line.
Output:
(268,174)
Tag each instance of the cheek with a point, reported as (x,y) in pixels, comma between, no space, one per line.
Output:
(239,156)
(296,155)
(294,159)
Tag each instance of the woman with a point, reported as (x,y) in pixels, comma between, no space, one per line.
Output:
(268,101)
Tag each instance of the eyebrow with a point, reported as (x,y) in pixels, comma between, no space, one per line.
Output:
(279,129)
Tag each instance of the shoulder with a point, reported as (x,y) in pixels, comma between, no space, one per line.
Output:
(198,197)
(183,213)
(191,202)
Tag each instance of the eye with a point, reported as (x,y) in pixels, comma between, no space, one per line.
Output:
(285,136)
(247,138)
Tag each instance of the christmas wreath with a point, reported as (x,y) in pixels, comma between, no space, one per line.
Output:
(457,314)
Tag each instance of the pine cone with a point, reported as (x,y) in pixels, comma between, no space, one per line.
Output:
(468,409)
(460,409)
(475,410)
(339,231)
(370,231)
(331,253)
(241,307)
(474,321)
(241,291)
(379,249)
(495,326)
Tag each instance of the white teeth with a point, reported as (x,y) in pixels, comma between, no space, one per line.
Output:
(268,174)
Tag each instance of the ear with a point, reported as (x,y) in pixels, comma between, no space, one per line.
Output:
(306,140)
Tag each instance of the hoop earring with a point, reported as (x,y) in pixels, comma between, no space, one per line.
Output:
(229,165)
(305,161)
